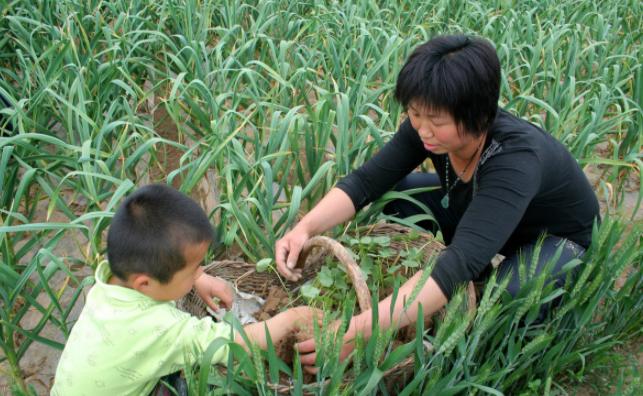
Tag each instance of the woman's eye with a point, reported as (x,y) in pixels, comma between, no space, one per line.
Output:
(438,123)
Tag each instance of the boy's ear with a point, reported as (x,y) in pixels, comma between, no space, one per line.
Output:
(140,282)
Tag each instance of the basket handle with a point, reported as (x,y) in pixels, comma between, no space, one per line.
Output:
(346,260)
(354,272)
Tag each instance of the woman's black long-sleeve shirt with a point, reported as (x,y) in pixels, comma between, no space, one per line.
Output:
(529,184)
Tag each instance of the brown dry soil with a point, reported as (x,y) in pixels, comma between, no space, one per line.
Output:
(39,363)
(277,298)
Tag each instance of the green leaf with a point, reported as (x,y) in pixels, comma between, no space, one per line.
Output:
(410,263)
(382,240)
(398,355)
(263,264)
(325,277)
(309,291)
(373,380)
(206,362)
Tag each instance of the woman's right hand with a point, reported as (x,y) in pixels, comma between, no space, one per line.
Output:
(287,251)
(336,207)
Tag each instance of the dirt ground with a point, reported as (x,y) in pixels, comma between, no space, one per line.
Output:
(39,363)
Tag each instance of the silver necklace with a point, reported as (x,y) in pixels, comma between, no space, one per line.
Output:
(445,200)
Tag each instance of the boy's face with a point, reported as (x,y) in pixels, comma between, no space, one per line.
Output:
(183,280)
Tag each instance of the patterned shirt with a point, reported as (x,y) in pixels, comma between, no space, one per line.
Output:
(124,342)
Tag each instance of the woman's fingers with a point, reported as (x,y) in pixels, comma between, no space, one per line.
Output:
(305,347)
(281,253)
(287,251)
(291,262)
(307,354)
(311,369)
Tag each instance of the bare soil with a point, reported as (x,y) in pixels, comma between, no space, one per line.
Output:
(277,298)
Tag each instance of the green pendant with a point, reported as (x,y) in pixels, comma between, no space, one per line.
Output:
(445,201)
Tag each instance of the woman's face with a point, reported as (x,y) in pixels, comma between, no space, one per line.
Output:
(437,129)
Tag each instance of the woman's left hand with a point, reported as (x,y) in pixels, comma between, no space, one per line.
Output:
(207,287)
(308,353)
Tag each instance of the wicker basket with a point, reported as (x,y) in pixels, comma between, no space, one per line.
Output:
(246,279)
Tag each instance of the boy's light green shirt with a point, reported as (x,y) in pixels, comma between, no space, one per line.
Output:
(124,341)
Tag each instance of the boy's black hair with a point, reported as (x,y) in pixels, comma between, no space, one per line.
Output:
(458,74)
(151,230)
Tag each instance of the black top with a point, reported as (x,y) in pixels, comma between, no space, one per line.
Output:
(526,183)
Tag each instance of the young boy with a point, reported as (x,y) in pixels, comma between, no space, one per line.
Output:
(130,333)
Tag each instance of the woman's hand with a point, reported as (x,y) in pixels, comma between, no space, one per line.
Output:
(287,251)
(430,298)
(335,208)
(308,352)
(207,287)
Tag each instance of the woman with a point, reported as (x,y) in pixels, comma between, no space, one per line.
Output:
(503,183)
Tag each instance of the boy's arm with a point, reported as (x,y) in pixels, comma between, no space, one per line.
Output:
(279,326)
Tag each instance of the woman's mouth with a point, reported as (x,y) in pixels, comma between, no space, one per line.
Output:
(429,147)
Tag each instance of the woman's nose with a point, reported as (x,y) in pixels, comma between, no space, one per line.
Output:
(425,131)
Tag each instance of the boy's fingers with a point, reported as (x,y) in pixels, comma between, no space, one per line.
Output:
(208,300)
(228,298)
(212,304)
(225,303)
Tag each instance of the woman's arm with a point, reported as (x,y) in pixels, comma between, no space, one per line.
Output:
(403,153)
(430,296)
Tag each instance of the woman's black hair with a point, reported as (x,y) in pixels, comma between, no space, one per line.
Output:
(151,230)
(458,74)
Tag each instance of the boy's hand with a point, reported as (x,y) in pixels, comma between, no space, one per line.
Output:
(208,287)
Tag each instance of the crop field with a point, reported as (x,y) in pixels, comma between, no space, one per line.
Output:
(256,109)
